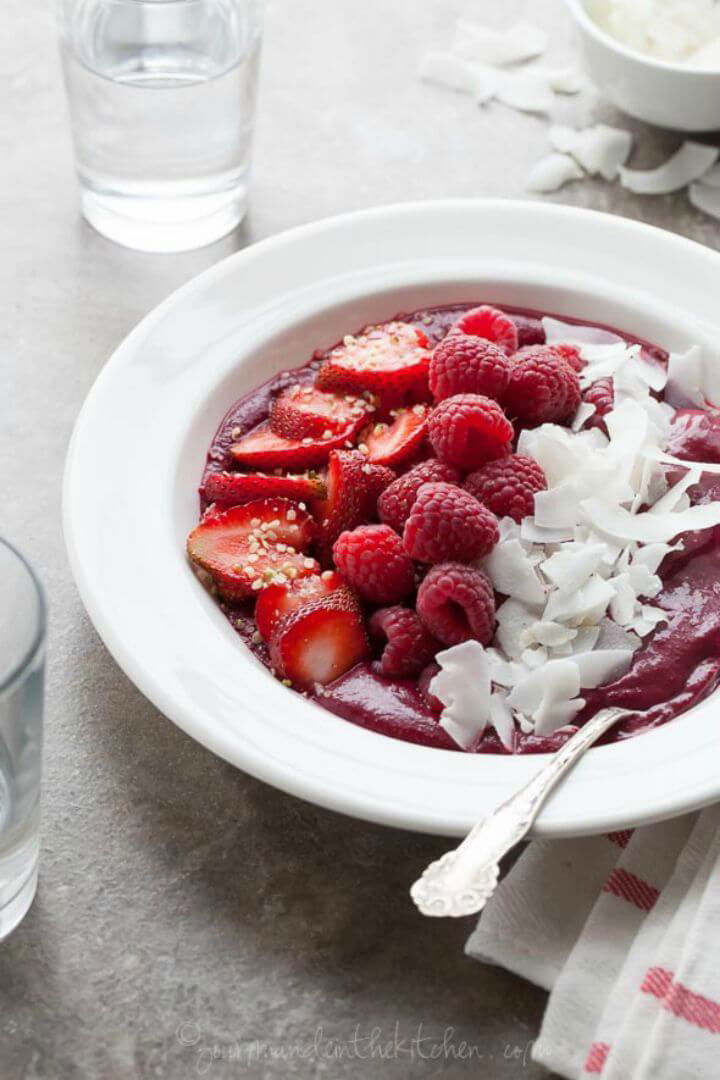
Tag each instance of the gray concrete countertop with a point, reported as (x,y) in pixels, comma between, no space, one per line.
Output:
(190,920)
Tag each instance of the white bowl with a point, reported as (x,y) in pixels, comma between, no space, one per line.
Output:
(669,95)
(139,446)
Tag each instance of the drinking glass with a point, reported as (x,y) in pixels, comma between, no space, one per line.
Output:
(22,650)
(162,102)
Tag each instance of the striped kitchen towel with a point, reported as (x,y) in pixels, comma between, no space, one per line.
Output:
(624,930)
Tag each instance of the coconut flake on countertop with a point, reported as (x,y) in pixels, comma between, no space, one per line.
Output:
(705,197)
(600,149)
(446,69)
(553,172)
(480,44)
(689,163)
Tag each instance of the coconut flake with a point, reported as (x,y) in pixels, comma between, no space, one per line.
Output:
(518,42)
(585,410)
(584,607)
(448,70)
(565,80)
(648,619)
(571,566)
(600,149)
(525,90)
(686,375)
(602,666)
(549,695)
(463,686)
(513,617)
(501,718)
(513,572)
(649,528)
(705,198)
(686,164)
(562,333)
(553,172)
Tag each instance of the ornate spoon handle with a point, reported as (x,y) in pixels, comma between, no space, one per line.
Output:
(463,880)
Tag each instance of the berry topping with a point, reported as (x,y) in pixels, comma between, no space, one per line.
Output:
(456,603)
(390,361)
(489,323)
(248,547)
(409,646)
(229,488)
(468,365)
(373,561)
(602,396)
(261,448)
(543,388)
(395,503)
(319,641)
(508,486)
(426,677)
(530,330)
(302,411)
(277,601)
(353,488)
(467,430)
(397,442)
(448,523)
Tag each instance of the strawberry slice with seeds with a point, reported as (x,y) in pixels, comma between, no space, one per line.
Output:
(262,449)
(396,442)
(277,601)
(227,489)
(390,361)
(248,547)
(353,487)
(302,411)
(320,641)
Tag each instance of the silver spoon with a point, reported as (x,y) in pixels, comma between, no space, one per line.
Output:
(463,880)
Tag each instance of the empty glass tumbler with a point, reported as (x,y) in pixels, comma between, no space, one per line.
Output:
(162,102)
(22,649)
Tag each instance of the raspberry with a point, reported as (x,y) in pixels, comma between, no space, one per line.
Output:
(602,396)
(448,523)
(372,559)
(426,677)
(508,486)
(543,388)
(456,603)
(409,645)
(468,429)
(489,323)
(468,365)
(571,354)
(395,503)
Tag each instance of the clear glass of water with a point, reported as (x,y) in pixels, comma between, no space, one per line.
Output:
(22,662)
(162,102)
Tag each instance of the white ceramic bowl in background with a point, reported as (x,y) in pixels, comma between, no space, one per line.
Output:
(139,446)
(668,95)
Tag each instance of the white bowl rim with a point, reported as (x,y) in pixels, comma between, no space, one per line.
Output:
(564,815)
(582,16)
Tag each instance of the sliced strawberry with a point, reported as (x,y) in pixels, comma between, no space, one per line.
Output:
(248,547)
(320,641)
(229,489)
(302,411)
(353,488)
(390,361)
(397,442)
(261,448)
(277,601)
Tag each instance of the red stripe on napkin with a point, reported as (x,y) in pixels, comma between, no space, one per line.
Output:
(696,1009)
(621,838)
(597,1056)
(629,887)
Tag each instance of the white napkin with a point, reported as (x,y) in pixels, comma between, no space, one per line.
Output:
(624,930)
